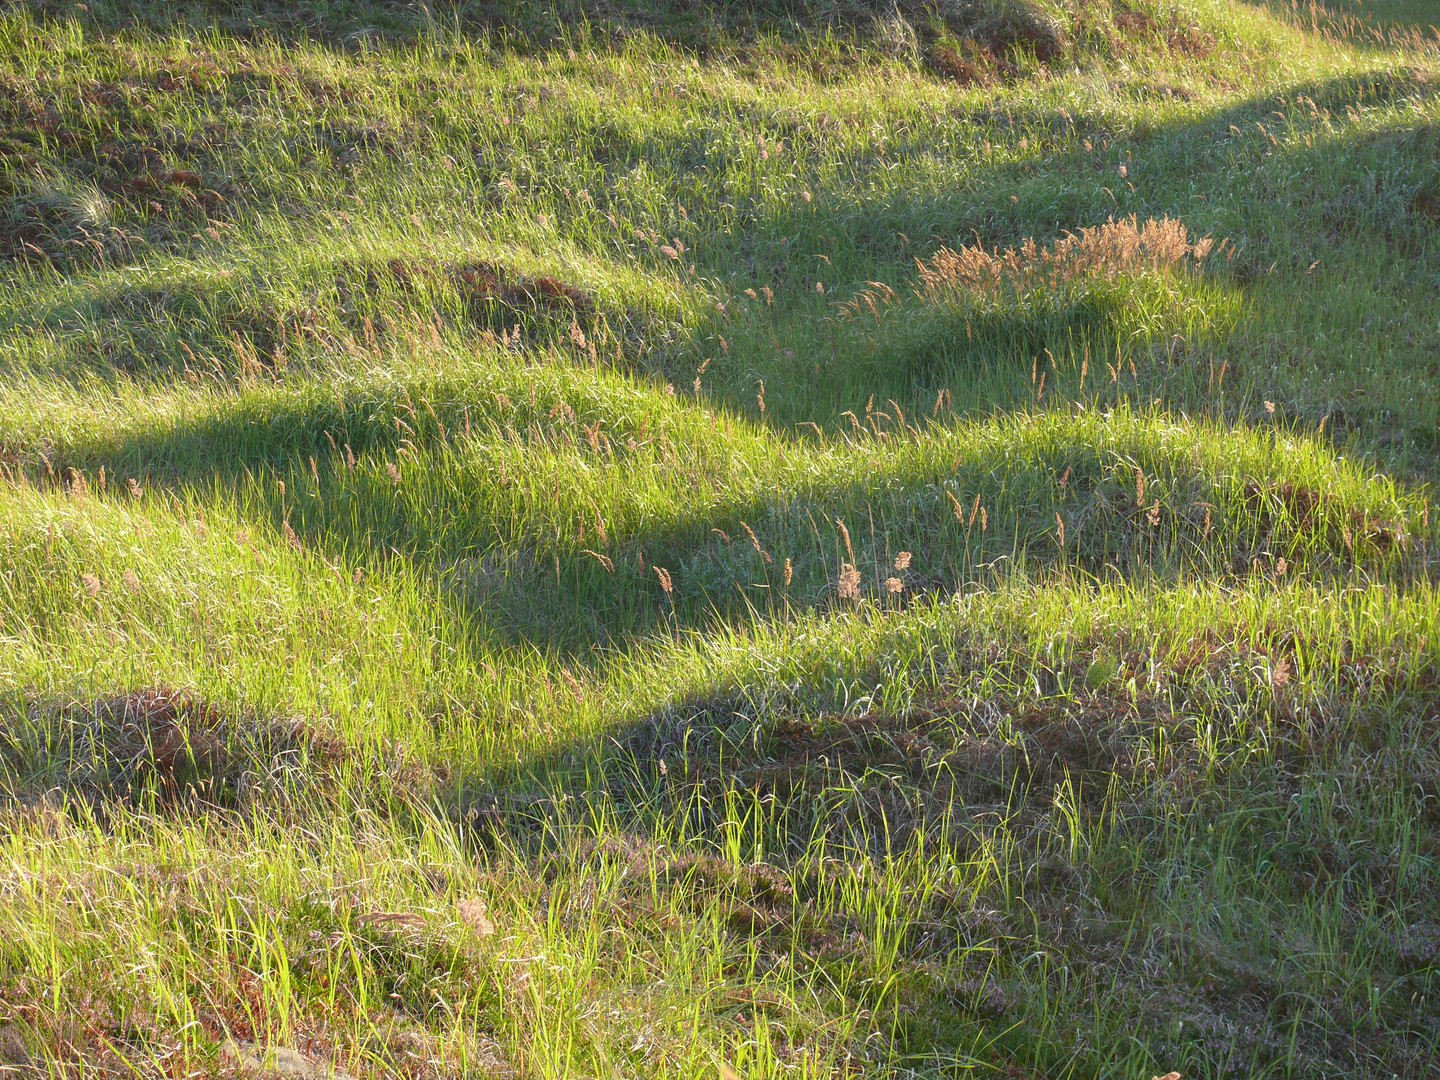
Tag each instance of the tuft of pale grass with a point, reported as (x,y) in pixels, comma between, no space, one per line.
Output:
(1105,252)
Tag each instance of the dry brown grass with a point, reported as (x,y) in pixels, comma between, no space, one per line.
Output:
(159,748)
(1105,252)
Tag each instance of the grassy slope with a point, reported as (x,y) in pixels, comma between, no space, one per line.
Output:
(707,671)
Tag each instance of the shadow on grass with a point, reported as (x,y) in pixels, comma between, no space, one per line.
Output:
(794,813)
(789,345)
(1071,184)
(527,572)
(158,751)
(543,533)
(982,40)
(351,310)
(1363,22)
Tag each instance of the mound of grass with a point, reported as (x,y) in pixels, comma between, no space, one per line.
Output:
(1001,37)
(819,540)
(154,749)
(1092,297)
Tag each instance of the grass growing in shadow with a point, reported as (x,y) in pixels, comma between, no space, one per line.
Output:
(1008,789)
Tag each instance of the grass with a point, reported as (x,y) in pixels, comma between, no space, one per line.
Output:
(779,541)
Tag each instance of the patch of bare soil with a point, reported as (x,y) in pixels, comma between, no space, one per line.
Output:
(91,180)
(156,749)
(484,286)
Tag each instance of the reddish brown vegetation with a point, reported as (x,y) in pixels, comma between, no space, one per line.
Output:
(973,70)
(164,735)
(162,749)
(482,284)
(1102,252)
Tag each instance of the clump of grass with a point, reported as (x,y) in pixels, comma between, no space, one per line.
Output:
(1101,290)
(1071,265)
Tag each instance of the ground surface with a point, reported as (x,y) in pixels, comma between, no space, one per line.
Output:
(664,541)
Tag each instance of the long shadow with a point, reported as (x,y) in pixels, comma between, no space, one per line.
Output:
(538,531)
(876,237)
(751,766)
(699,27)
(578,592)
(860,780)
(1207,171)
(1363,22)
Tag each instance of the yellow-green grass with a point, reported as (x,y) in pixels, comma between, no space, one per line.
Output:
(506,569)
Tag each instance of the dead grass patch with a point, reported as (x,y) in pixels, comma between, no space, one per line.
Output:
(1176,34)
(1003,40)
(1124,280)
(1103,252)
(968,65)
(482,285)
(159,749)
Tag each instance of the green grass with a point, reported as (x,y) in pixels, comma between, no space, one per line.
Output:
(512,564)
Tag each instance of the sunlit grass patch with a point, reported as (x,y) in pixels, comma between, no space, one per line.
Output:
(1089,298)
(491,585)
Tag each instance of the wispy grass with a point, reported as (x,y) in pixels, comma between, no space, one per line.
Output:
(806,542)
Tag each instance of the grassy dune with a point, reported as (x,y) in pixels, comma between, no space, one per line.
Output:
(763,540)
